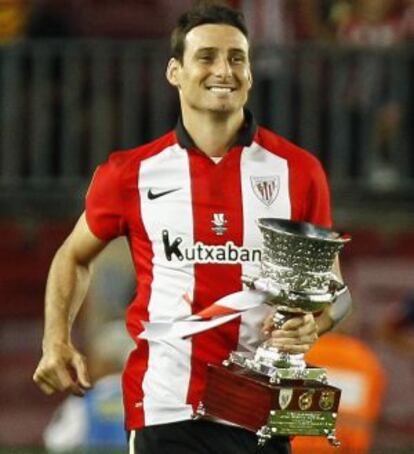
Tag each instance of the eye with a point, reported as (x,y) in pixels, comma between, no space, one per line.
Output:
(237,59)
(205,58)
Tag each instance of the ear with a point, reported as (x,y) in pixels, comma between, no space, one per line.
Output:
(250,78)
(172,72)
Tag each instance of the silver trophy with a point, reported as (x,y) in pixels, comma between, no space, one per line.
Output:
(296,275)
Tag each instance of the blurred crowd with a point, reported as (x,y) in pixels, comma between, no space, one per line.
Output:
(377,114)
(356,22)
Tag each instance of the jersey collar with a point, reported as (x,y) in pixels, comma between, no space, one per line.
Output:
(245,136)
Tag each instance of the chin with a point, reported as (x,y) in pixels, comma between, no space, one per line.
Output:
(217,108)
(224,108)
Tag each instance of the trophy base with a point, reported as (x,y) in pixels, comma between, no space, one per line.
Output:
(277,374)
(248,399)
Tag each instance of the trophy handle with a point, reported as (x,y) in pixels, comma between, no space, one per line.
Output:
(336,287)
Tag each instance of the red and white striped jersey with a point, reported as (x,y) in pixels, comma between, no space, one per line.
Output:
(191,226)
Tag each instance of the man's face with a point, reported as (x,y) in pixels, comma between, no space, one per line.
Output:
(215,73)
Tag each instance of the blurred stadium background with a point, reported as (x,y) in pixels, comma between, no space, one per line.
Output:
(79,79)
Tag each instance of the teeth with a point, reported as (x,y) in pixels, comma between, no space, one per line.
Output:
(220,89)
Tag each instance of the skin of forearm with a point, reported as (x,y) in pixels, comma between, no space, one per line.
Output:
(324,322)
(66,288)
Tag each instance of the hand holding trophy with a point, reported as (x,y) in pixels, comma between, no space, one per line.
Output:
(274,392)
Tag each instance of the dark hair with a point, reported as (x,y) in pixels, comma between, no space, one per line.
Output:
(204,12)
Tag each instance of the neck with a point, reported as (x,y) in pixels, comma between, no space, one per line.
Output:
(218,132)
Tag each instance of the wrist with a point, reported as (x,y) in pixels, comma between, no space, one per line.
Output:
(324,323)
(49,345)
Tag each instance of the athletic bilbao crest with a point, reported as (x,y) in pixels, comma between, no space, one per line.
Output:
(266,188)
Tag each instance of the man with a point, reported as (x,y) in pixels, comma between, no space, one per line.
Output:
(198,187)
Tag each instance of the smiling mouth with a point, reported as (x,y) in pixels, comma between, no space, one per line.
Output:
(221,90)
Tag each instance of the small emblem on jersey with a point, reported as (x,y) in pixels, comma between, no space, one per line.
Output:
(285,397)
(154,195)
(266,189)
(219,222)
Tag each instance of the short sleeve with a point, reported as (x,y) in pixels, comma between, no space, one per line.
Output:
(319,200)
(104,205)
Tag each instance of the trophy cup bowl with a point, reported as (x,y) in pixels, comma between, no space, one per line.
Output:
(297,260)
(296,270)
(272,392)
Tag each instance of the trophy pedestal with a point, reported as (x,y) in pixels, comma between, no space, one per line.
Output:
(276,374)
(293,407)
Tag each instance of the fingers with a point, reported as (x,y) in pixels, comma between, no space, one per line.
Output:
(60,373)
(43,385)
(68,381)
(79,365)
(297,335)
(296,327)
(55,378)
(292,345)
(301,332)
(50,380)
(297,322)
(268,325)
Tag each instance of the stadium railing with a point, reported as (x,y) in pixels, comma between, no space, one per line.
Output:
(65,105)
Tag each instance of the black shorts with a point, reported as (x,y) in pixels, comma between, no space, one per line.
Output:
(202,437)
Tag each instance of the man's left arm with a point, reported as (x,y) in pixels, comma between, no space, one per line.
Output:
(339,309)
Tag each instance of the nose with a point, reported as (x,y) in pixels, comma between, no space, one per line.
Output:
(222,68)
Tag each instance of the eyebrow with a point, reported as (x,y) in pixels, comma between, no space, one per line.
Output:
(213,49)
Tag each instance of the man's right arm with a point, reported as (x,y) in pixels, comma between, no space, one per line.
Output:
(62,367)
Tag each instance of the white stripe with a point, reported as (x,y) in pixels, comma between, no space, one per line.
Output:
(239,301)
(132,442)
(166,380)
(256,161)
(166,331)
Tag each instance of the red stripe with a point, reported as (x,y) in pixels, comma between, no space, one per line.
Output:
(215,310)
(216,188)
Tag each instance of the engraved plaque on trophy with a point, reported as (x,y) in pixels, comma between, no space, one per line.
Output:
(272,392)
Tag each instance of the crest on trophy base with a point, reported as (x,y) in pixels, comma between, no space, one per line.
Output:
(285,397)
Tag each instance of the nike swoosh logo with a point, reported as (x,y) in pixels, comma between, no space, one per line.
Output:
(151,195)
